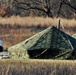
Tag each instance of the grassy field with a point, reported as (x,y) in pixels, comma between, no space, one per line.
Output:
(37,67)
(16,29)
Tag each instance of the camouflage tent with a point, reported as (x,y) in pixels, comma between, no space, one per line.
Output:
(74,36)
(50,43)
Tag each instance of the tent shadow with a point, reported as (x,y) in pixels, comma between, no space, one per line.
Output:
(43,53)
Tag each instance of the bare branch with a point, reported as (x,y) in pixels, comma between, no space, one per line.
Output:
(31,8)
(67,3)
(40,6)
(59,8)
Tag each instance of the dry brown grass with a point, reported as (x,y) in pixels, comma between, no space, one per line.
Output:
(16,29)
(14,36)
(35,21)
(18,22)
(37,67)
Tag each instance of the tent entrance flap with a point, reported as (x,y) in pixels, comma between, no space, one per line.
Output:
(44,53)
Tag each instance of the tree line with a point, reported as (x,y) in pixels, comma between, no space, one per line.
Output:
(46,8)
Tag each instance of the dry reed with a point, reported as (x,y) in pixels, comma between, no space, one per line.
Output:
(37,67)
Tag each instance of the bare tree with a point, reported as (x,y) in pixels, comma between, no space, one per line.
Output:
(50,8)
(42,5)
(63,2)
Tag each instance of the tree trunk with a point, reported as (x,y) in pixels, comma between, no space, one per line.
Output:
(49,13)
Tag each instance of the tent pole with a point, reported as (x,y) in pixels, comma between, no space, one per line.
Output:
(58,24)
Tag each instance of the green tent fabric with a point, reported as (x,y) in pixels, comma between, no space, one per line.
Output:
(50,43)
(74,36)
